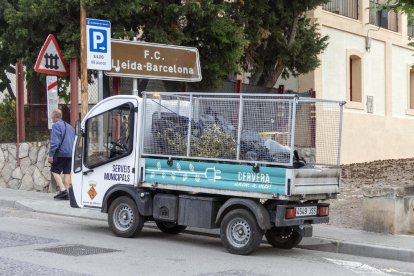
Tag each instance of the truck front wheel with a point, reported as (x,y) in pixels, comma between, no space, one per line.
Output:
(123,217)
(170,227)
(240,233)
(283,237)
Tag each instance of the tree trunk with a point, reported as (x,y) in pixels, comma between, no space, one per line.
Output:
(10,91)
(271,71)
(256,76)
(270,75)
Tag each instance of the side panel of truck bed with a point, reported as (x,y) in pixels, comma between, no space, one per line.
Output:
(314,181)
(233,177)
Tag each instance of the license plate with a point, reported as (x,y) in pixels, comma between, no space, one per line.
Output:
(306,211)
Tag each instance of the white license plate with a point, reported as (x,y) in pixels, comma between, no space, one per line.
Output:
(306,211)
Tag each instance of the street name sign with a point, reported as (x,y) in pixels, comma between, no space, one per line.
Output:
(50,60)
(98,44)
(145,60)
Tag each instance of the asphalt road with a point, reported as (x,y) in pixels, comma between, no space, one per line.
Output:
(42,244)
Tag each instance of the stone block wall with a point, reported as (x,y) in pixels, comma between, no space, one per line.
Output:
(389,210)
(25,168)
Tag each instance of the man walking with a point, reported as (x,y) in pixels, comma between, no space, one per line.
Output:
(60,152)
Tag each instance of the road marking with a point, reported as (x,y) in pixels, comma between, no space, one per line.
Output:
(394,271)
(357,267)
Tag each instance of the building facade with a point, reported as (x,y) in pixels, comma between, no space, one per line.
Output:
(368,63)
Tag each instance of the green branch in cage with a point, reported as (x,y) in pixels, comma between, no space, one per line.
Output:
(174,142)
(214,143)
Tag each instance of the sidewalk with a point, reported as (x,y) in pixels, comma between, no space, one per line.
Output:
(325,238)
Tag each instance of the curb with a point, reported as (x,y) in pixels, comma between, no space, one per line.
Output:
(339,247)
(364,250)
(15,205)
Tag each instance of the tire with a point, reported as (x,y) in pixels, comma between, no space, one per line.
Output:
(170,227)
(124,219)
(240,233)
(283,237)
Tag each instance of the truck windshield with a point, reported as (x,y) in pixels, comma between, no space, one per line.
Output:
(108,136)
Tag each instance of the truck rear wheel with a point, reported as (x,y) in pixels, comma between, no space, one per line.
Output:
(240,233)
(283,237)
(124,219)
(170,227)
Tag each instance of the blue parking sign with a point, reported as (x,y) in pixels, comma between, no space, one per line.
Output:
(98,38)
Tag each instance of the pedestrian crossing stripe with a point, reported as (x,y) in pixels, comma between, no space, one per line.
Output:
(357,267)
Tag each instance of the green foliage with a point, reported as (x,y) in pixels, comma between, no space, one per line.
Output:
(174,142)
(63,89)
(265,38)
(220,41)
(214,143)
(8,121)
(401,6)
(25,25)
(282,40)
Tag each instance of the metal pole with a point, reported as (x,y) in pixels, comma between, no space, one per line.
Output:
(135,80)
(116,86)
(74,91)
(100,85)
(190,118)
(292,130)
(240,126)
(135,87)
(20,127)
(341,113)
(84,73)
(100,120)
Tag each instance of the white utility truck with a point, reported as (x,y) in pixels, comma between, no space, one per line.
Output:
(249,164)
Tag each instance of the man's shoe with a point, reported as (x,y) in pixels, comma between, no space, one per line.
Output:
(64,197)
(61,194)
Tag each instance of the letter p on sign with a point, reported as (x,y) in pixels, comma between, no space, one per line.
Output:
(98,40)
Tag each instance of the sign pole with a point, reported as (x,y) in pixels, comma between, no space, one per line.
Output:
(135,80)
(100,120)
(74,92)
(20,124)
(100,85)
(52,97)
(135,86)
(84,73)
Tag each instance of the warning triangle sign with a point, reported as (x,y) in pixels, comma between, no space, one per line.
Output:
(50,60)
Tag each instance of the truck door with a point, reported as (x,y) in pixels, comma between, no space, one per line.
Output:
(109,149)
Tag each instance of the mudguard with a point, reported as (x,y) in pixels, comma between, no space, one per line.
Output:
(259,211)
(141,197)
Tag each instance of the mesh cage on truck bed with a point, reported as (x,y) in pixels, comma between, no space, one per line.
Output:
(282,130)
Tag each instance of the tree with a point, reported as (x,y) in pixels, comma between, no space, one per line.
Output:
(282,40)
(401,6)
(25,25)
(269,39)
(405,6)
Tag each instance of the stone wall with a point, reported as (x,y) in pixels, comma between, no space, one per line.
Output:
(389,209)
(25,168)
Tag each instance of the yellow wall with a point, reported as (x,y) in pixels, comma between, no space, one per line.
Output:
(388,133)
(368,137)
